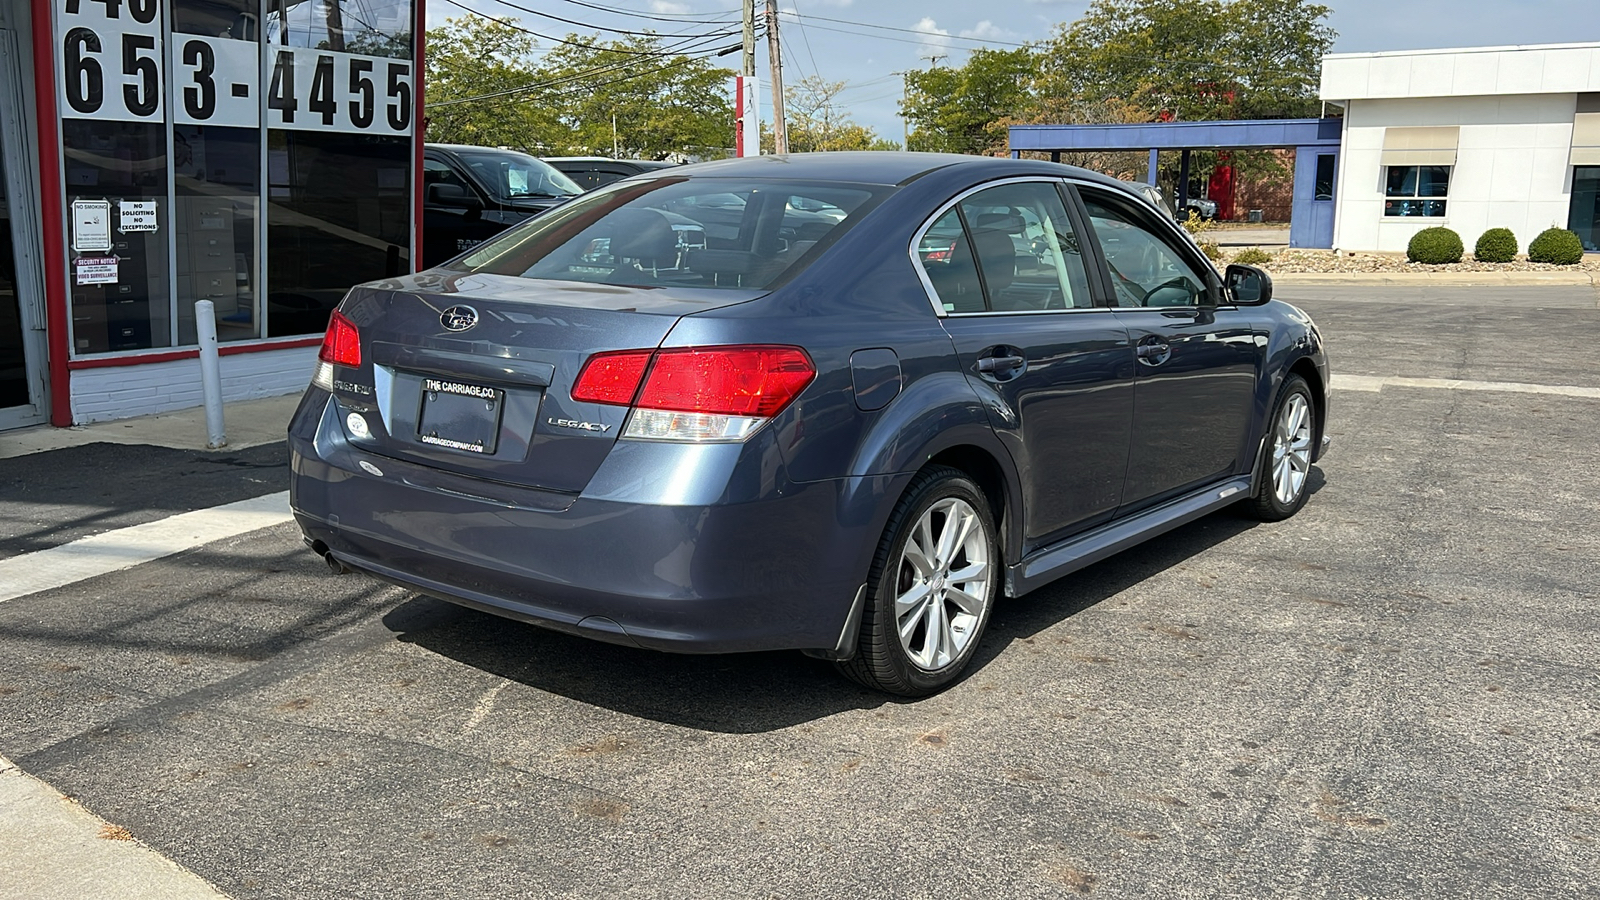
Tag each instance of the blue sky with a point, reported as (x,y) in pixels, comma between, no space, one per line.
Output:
(867,58)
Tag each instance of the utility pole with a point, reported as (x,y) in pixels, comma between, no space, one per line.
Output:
(780,128)
(905,123)
(934,58)
(749,38)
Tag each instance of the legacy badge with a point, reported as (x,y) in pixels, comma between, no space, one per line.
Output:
(458,318)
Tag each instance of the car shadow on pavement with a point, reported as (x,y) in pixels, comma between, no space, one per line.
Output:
(747,693)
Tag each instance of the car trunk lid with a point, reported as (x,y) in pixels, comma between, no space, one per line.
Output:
(473,374)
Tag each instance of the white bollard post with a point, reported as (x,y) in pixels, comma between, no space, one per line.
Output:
(205,320)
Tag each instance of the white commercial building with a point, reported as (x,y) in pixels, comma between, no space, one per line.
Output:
(1471,139)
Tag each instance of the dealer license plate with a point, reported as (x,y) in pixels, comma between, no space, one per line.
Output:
(459,416)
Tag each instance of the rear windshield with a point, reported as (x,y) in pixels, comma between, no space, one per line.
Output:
(511,175)
(701,232)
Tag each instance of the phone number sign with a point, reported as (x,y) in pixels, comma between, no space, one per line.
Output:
(112,64)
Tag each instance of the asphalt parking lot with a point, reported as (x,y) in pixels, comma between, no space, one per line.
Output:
(1394,694)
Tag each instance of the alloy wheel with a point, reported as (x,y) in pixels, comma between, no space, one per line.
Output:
(1291,449)
(942,584)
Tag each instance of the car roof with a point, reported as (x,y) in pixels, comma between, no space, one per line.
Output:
(474,148)
(647,163)
(879,167)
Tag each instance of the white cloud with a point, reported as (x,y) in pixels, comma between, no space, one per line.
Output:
(668,8)
(936,40)
(988,31)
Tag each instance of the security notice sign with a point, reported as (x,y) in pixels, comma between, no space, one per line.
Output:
(94,270)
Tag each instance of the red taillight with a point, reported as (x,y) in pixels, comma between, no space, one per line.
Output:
(341,344)
(611,377)
(757,381)
(730,381)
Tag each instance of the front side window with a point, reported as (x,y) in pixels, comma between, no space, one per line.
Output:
(703,232)
(1145,270)
(511,176)
(1416,190)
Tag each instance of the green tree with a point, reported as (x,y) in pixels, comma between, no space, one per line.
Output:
(816,122)
(470,61)
(960,110)
(487,85)
(1190,59)
(663,103)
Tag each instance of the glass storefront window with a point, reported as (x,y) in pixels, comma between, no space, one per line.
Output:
(1584,214)
(116,174)
(1416,190)
(13,359)
(257,155)
(339,213)
(368,28)
(216,165)
(216,173)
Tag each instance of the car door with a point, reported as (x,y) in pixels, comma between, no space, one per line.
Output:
(453,219)
(1005,267)
(1198,362)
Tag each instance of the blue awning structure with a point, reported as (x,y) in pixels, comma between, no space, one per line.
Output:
(1311,222)
(1225,135)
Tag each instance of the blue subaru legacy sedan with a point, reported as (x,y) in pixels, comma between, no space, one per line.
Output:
(841,403)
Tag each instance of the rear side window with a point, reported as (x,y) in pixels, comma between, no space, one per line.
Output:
(702,232)
(1010,248)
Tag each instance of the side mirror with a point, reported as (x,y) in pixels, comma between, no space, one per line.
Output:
(1247,285)
(454,196)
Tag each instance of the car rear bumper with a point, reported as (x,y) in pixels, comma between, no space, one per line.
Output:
(756,575)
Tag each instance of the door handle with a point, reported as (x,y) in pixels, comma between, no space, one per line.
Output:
(1153,351)
(1000,365)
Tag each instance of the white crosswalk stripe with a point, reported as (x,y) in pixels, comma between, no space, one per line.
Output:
(100,554)
(1374,383)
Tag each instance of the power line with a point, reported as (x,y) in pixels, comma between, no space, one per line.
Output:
(683,49)
(583,25)
(815,69)
(660,17)
(928,34)
(516,27)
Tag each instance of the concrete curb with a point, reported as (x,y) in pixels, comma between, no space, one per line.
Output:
(57,849)
(1454,279)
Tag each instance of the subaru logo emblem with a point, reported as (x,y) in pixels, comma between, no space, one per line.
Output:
(458,318)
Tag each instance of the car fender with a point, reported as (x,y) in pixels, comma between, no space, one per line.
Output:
(1290,337)
(936,413)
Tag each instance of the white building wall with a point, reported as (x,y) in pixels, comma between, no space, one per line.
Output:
(1511,167)
(1466,72)
(117,392)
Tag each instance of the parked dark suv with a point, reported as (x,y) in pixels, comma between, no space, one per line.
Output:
(590,172)
(472,194)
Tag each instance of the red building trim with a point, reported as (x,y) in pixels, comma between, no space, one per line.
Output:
(54,260)
(419,130)
(140,359)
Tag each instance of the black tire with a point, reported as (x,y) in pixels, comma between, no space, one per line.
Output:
(1266,504)
(882,662)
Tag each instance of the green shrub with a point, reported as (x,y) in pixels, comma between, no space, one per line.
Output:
(1556,245)
(1435,246)
(1252,256)
(1497,245)
(1211,250)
